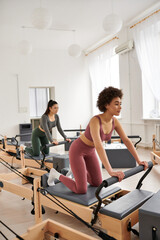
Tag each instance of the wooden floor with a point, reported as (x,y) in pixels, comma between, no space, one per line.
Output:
(15,212)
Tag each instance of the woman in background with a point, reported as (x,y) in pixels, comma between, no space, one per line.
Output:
(42,135)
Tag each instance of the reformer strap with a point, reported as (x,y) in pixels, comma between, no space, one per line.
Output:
(41,163)
(130,229)
(100,233)
(154,235)
(3,235)
(13,169)
(17,236)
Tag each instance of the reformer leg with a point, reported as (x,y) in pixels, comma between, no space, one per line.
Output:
(37,203)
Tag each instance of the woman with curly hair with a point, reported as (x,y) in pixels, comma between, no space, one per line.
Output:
(83,159)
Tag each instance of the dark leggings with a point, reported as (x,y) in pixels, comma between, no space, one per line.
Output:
(39,139)
(85,167)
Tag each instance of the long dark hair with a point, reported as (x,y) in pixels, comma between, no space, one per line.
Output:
(50,104)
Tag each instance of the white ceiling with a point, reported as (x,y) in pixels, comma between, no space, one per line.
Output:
(85,16)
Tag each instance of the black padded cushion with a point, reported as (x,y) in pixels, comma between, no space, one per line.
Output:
(126,204)
(60,190)
(152,206)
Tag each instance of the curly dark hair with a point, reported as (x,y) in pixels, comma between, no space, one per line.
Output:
(106,96)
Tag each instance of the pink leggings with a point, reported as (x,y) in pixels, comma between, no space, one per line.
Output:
(85,167)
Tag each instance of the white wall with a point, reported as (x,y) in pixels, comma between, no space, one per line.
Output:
(50,68)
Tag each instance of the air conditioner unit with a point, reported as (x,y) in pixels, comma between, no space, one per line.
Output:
(125,47)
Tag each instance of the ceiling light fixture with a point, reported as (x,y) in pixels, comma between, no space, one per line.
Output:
(74,50)
(112,23)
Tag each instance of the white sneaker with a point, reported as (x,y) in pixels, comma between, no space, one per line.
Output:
(22,145)
(69,174)
(52,176)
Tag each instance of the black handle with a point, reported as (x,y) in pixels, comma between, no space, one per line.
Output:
(74,130)
(128,173)
(53,144)
(23,134)
(112,180)
(132,136)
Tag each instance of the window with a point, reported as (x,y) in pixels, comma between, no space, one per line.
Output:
(114,71)
(151,106)
(104,72)
(38,98)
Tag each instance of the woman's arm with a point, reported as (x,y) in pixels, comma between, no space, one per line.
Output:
(95,133)
(128,143)
(60,129)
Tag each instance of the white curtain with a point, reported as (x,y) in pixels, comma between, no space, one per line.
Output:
(42,100)
(147,43)
(101,72)
(32,102)
(38,101)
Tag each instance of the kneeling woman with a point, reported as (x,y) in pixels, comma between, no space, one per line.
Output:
(43,134)
(83,159)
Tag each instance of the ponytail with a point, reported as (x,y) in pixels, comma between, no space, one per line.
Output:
(50,104)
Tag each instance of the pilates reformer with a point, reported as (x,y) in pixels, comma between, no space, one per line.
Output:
(14,155)
(26,192)
(116,210)
(117,220)
(155,154)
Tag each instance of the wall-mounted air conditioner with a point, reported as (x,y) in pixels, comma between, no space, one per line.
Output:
(125,47)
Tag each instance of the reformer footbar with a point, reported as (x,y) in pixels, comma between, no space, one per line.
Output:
(17,236)
(110,181)
(132,136)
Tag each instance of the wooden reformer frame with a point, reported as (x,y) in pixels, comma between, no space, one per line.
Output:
(104,222)
(51,230)
(155,155)
(114,227)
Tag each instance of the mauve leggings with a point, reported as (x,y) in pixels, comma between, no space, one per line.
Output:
(85,167)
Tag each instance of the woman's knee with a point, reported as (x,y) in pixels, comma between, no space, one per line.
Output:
(81,189)
(97,182)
